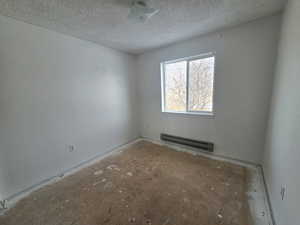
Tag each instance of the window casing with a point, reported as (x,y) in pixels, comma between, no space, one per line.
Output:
(187,85)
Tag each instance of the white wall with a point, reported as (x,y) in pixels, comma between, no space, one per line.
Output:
(245,58)
(282,155)
(56,90)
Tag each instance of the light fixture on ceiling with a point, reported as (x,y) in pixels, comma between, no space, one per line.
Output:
(141,10)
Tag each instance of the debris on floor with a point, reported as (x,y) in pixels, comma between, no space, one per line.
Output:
(129,174)
(98,172)
(113,167)
(165,188)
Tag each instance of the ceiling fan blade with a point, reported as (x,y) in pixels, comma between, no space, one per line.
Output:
(140,11)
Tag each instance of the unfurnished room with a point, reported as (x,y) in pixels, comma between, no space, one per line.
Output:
(149,112)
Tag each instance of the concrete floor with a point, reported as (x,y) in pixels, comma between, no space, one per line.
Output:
(145,184)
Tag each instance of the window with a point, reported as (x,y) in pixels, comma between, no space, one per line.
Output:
(187,85)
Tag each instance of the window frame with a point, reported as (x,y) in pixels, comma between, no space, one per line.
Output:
(163,89)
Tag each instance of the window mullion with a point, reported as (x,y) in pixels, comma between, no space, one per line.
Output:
(187,85)
(163,78)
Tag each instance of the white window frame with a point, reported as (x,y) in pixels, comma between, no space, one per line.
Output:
(163,91)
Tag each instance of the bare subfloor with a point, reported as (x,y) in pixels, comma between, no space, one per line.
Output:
(145,184)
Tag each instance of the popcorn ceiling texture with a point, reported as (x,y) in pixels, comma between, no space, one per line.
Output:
(105,21)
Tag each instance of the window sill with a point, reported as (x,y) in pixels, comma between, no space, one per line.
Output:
(202,114)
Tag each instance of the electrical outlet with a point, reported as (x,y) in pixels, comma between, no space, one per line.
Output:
(71,148)
(283,192)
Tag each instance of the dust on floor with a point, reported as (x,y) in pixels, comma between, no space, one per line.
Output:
(147,184)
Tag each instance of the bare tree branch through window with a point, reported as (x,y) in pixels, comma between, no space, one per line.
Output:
(188,85)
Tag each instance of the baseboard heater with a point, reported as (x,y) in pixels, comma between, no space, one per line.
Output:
(206,146)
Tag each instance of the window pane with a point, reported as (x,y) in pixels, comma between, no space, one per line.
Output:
(201,78)
(175,86)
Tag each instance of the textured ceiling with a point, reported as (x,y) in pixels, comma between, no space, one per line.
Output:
(105,21)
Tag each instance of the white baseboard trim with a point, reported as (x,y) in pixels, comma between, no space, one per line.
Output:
(268,196)
(13,199)
(196,151)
